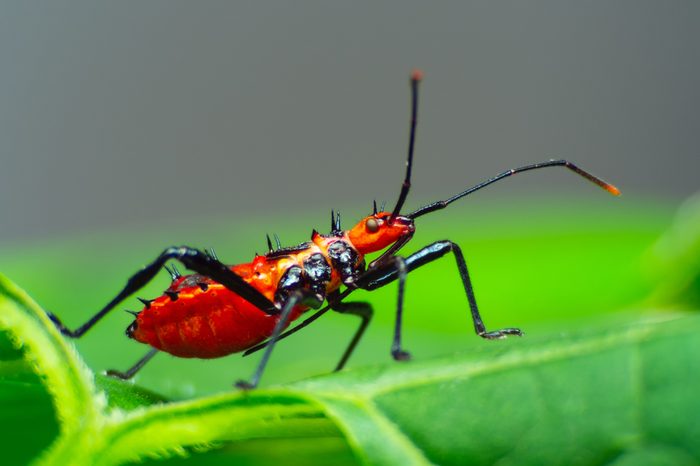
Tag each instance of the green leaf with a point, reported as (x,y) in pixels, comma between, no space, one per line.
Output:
(27,416)
(135,423)
(584,399)
(623,395)
(66,378)
(126,396)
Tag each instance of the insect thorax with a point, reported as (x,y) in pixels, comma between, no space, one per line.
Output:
(314,273)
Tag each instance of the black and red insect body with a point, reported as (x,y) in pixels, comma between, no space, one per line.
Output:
(222,309)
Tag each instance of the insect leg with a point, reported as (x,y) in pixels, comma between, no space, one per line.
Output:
(191,258)
(401,271)
(294,298)
(133,369)
(362,310)
(387,273)
(306,322)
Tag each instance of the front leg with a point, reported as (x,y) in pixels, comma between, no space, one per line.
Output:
(397,269)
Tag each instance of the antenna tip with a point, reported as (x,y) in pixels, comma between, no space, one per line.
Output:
(416,75)
(612,190)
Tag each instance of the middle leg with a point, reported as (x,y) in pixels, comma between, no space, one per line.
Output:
(362,310)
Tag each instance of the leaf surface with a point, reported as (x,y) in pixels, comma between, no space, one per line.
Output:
(584,399)
(589,398)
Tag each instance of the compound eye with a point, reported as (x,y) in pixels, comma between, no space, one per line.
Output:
(372,225)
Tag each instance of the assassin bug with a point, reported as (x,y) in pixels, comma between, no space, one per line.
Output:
(222,309)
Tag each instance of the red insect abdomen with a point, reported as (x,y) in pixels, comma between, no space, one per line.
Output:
(204,323)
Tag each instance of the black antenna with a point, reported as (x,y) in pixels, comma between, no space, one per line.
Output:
(416,77)
(535,166)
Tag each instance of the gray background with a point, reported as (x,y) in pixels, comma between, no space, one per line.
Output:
(127,114)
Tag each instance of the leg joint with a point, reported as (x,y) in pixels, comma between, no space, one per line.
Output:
(183,253)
